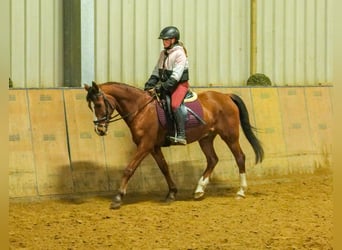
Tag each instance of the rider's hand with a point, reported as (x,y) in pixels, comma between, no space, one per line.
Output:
(151,91)
(158,88)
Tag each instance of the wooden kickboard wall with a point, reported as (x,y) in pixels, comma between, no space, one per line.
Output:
(53,149)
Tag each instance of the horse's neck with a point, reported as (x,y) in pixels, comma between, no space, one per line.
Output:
(126,97)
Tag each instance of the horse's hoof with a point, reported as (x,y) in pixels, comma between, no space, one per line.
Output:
(199,196)
(115,205)
(169,201)
(170,198)
(240,195)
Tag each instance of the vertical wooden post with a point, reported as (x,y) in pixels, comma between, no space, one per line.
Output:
(253,37)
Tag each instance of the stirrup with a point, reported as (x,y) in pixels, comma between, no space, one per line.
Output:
(177,140)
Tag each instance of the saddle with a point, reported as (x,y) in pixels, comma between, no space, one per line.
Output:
(190,107)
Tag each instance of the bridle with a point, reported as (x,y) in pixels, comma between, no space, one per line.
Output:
(107,103)
(108,118)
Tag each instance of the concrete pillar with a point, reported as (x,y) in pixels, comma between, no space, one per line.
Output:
(78,36)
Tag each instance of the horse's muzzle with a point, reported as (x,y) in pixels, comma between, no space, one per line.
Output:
(101,129)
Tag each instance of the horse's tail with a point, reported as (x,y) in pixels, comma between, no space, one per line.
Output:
(248,128)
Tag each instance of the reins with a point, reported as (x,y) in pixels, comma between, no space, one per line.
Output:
(115,117)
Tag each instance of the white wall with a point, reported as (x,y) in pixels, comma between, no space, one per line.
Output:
(294,40)
(36,43)
(216,34)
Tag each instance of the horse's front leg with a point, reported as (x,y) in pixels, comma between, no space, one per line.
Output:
(159,158)
(127,174)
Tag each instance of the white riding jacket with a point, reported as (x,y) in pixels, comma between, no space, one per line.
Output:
(175,62)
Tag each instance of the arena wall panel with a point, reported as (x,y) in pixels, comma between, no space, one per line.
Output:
(55,151)
(86,149)
(22,170)
(297,134)
(49,138)
(318,101)
(268,121)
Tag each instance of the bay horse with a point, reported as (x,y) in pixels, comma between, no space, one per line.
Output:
(222,113)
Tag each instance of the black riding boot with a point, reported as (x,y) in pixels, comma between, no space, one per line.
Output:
(180,123)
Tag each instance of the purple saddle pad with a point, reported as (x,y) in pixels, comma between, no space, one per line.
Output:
(191,120)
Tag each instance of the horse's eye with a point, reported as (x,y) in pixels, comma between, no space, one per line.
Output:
(97,105)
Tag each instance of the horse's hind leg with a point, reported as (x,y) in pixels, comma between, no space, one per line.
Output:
(159,158)
(207,146)
(240,159)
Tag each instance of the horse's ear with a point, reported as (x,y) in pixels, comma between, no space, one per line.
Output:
(94,85)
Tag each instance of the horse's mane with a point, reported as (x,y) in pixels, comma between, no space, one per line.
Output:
(120,84)
(93,92)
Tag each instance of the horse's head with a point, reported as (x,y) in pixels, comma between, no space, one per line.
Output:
(102,108)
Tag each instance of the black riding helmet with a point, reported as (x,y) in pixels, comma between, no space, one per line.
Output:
(169,32)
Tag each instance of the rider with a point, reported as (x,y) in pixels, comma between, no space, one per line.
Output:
(171,75)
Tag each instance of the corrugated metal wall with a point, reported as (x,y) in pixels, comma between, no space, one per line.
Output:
(294,40)
(36,43)
(216,34)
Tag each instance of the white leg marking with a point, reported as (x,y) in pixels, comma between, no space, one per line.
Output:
(243,186)
(243,180)
(201,185)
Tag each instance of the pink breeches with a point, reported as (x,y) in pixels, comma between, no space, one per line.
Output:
(179,94)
